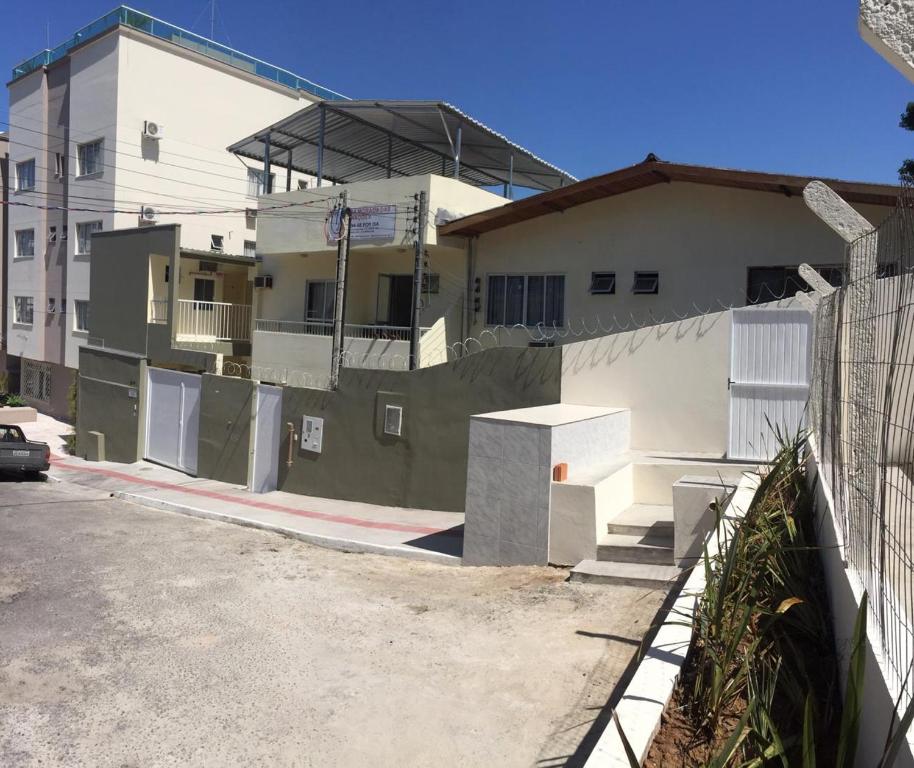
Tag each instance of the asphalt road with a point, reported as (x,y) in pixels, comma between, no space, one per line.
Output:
(134,637)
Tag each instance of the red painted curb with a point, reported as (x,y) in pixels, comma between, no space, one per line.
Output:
(344,519)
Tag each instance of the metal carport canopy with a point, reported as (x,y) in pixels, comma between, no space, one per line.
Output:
(346,141)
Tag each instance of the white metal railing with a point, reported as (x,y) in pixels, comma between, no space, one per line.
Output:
(325,328)
(214,320)
(158,311)
(307,328)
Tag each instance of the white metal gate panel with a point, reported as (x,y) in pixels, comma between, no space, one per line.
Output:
(770,360)
(173,418)
(267,437)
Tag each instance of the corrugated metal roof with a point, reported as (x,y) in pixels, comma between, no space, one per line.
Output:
(366,140)
(654,171)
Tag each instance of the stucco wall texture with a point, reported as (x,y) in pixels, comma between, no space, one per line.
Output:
(889,28)
(106,382)
(426,466)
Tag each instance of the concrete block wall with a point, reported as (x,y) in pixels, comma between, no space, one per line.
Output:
(509,475)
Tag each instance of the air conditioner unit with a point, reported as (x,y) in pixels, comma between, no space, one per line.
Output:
(263,281)
(148,214)
(153,130)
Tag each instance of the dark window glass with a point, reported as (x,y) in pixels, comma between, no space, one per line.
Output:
(514,300)
(555,301)
(602,282)
(646,283)
(536,287)
(495,300)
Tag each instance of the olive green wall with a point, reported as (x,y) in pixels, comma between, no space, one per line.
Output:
(426,466)
(225,429)
(119,284)
(106,385)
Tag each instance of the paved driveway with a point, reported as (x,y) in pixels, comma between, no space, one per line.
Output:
(133,637)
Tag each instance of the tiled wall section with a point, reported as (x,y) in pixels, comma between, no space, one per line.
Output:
(509,475)
(507,508)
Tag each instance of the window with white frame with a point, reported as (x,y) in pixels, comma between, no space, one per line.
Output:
(89,158)
(646,283)
(250,248)
(36,380)
(526,300)
(25,243)
(25,175)
(84,232)
(80,315)
(23,309)
(255,182)
(603,282)
(216,242)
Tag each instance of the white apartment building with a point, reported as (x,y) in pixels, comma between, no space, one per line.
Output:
(126,122)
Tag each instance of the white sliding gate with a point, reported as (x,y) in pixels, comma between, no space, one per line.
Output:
(267,437)
(770,360)
(172,418)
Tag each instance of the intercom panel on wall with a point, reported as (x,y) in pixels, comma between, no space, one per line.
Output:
(312,433)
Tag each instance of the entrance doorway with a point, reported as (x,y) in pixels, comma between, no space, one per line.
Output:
(395,300)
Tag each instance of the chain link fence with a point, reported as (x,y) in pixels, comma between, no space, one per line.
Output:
(862,417)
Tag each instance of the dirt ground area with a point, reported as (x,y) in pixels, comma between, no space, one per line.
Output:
(133,637)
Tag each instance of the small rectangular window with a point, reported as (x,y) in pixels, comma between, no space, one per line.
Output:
(602,282)
(60,165)
(63,306)
(255,182)
(64,234)
(393,420)
(84,232)
(52,305)
(250,249)
(25,175)
(646,283)
(216,242)
(80,315)
(25,242)
(89,158)
(167,272)
(302,183)
(52,234)
(207,266)
(23,308)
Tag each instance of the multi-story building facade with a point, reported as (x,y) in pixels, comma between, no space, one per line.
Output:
(4,220)
(124,124)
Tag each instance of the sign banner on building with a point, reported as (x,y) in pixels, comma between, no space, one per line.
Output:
(371,222)
(374,222)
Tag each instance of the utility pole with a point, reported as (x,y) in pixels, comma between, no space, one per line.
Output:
(417,282)
(339,304)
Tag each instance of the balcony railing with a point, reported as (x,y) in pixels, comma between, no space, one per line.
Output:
(162,29)
(325,328)
(213,321)
(158,311)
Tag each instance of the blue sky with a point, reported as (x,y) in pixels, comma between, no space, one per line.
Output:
(591,86)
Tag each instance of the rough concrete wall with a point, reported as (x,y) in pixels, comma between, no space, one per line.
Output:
(225,428)
(426,466)
(106,382)
(889,28)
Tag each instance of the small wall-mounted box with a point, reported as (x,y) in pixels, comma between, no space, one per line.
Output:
(312,433)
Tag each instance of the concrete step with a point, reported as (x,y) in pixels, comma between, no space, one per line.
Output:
(655,520)
(628,574)
(625,548)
